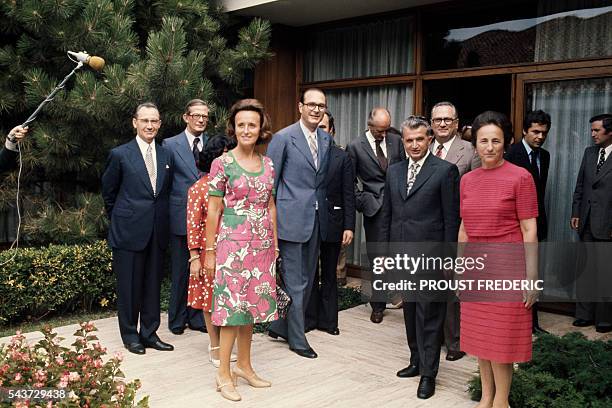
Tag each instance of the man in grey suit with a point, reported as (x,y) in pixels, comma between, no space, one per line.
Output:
(299,153)
(449,146)
(185,148)
(372,153)
(421,204)
(592,215)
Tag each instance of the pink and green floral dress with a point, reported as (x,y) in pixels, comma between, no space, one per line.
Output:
(245,282)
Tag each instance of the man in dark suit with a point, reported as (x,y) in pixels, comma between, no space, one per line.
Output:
(421,204)
(322,311)
(10,150)
(530,155)
(300,153)
(135,187)
(592,216)
(185,148)
(371,154)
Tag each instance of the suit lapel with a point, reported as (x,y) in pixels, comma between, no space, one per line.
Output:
(607,166)
(299,141)
(423,176)
(185,152)
(455,152)
(323,146)
(161,168)
(137,161)
(368,149)
(402,179)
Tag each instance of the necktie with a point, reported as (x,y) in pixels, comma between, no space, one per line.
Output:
(533,158)
(312,143)
(151,167)
(380,155)
(439,150)
(412,173)
(602,160)
(196,151)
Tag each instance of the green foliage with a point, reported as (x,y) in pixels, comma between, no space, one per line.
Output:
(57,278)
(565,372)
(165,51)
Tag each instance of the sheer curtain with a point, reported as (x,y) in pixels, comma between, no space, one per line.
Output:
(350,108)
(570,104)
(383,47)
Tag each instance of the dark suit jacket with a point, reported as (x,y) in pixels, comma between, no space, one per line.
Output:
(340,195)
(129,200)
(593,195)
(517,154)
(369,198)
(8,159)
(430,213)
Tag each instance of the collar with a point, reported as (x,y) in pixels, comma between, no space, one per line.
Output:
(191,137)
(143,146)
(446,144)
(607,150)
(527,147)
(307,131)
(371,138)
(420,162)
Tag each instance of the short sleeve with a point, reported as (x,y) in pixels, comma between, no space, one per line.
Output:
(526,197)
(218,178)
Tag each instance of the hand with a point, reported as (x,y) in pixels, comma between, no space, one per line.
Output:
(195,268)
(276,252)
(530,297)
(209,264)
(18,132)
(347,237)
(574,221)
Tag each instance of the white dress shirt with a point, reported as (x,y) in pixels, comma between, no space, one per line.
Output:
(445,147)
(420,163)
(190,139)
(606,154)
(143,146)
(372,141)
(11,146)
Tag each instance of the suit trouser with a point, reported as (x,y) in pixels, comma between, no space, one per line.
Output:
(179,313)
(424,325)
(322,311)
(299,264)
(374,238)
(452,324)
(600,312)
(138,285)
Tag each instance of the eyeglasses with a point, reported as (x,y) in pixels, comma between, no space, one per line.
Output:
(312,106)
(438,121)
(198,116)
(154,122)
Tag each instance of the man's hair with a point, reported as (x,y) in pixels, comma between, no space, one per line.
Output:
(374,111)
(445,103)
(538,116)
(606,120)
(308,90)
(144,105)
(330,117)
(492,118)
(252,105)
(194,102)
(415,122)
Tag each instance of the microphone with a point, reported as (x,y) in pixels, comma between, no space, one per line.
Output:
(96,63)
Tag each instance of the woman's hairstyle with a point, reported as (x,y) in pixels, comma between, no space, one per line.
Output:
(215,147)
(493,118)
(331,121)
(252,105)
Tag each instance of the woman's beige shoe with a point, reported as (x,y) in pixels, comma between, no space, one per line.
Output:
(228,390)
(215,362)
(253,379)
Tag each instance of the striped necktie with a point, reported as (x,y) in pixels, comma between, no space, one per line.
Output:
(312,143)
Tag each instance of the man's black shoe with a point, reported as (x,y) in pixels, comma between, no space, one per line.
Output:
(158,345)
(200,329)
(603,328)
(455,355)
(334,332)
(427,387)
(178,331)
(538,330)
(275,335)
(583,323)
(410,371)
(308,353)
(136,348)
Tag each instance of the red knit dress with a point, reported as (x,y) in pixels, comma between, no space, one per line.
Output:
(200,290)
(493,201)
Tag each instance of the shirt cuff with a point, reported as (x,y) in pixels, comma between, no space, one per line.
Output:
(11,146)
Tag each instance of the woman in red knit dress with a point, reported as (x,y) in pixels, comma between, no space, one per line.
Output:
(200,289)
(498,211)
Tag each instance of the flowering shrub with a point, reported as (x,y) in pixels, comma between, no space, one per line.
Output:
(80,371)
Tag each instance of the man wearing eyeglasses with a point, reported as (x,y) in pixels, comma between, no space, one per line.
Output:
(300,156)
(135,188)
(449,146)
(186,148)
(371,154)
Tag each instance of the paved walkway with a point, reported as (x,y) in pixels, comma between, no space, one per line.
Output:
(356,369)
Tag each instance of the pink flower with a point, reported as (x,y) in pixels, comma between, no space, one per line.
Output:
(18,377)
(121,388)
(118,356)
(59,360)
(235,283)
(74,376)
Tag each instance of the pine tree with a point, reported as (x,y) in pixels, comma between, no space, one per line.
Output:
(165,51)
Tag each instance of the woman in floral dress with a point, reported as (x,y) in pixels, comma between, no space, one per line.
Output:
(241,205)
(199,295)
